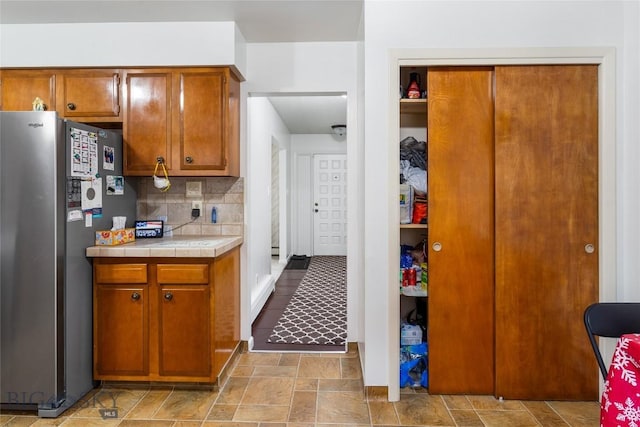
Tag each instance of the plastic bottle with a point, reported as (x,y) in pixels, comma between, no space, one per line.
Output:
(214,215)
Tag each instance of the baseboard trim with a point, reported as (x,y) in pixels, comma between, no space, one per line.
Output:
(377,393)
(265,291)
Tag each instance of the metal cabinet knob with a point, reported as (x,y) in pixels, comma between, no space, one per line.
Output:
(135,296)
(71,106)
(188,159)
(437,246)
(589,248)
(168,296)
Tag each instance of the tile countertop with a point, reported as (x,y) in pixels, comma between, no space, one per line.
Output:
(180,246)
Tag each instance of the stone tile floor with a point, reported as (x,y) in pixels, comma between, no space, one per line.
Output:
(303,390)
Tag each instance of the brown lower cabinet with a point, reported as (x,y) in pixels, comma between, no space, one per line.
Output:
(165,319)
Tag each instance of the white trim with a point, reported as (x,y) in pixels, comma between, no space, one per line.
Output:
(285,238)
(606,59)
(261,299)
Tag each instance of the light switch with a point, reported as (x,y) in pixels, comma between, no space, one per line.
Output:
(194,188)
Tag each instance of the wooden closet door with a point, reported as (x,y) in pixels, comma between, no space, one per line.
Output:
(460,197)
(546,206)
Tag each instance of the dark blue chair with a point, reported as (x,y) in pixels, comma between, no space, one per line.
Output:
(611,320)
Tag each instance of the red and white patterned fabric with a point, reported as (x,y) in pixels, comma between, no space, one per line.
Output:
(620,404)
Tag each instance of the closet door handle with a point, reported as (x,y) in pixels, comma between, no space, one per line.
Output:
(135,296)
(436,246)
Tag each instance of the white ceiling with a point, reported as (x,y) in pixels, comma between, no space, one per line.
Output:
(310,114)
(260,21)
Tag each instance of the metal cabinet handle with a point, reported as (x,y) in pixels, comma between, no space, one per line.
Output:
(188,159)
(135,296)
(71,106)
(168,296)
(437,246)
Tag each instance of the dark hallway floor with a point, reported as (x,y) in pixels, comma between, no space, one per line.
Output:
(261,328)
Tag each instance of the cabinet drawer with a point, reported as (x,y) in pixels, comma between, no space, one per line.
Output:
(183,273)
(121,273)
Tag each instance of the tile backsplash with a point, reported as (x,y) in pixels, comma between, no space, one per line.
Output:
(225,193)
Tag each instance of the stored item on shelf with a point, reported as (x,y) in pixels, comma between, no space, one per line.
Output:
(419,211)
(406,203)
(414,366)
(413,90)
(424,279)
(412,276)
(410,334)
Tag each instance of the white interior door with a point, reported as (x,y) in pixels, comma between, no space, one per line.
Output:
(330,204)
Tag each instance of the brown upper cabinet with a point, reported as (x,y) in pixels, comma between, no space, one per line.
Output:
(187,118)
(85,95)
(21,87)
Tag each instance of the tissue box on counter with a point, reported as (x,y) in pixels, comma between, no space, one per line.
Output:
(115,237)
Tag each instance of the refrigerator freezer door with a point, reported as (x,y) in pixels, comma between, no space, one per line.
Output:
(32,227)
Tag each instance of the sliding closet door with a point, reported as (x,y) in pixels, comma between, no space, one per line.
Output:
(546,206)
(460,235)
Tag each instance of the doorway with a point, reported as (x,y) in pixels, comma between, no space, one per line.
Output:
(602,57)
(299,128)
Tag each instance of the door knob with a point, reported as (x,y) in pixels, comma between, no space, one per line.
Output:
(168,296)
(188,159)
(437,246)
(135,296)
(589,248)
(71,106)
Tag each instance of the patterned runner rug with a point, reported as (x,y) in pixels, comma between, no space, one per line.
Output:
(317,311)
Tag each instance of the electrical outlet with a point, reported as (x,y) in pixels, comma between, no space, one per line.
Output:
(197,204)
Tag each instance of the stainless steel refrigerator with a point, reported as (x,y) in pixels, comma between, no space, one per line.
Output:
(60,182)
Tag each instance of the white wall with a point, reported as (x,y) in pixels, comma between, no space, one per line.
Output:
(449,25)
(119,44)
(264,127)
(317,143)
(303,68)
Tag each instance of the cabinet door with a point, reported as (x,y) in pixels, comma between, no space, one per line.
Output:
(202,120)
(461,230)
(90,94)
(184,330)
(121,330)
(147,120)
(546,215)
(21,87)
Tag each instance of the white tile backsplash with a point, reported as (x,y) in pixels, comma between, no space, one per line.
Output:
(225,193)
